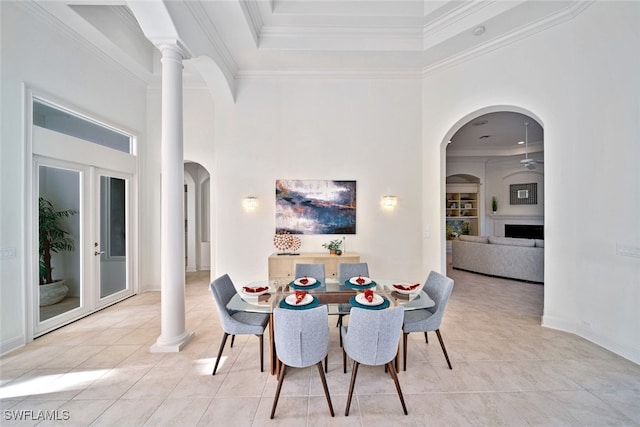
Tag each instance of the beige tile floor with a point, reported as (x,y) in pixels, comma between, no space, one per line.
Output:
(507,370)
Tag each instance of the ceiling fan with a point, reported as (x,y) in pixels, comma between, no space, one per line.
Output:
(528,162)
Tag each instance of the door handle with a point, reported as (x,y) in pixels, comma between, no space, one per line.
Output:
(96,253)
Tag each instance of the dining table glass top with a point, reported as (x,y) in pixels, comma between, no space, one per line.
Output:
(337,296)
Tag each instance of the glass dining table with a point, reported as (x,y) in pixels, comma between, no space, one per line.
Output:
(339,298)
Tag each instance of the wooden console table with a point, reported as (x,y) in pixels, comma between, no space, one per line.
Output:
(283,267)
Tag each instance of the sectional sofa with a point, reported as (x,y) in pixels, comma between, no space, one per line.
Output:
(521,259)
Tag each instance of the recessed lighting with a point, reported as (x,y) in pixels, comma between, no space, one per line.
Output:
(520,142)
(479,30)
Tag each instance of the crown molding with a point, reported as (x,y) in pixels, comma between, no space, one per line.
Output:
(363,74)
(228,64)
(251,11)
(511,37)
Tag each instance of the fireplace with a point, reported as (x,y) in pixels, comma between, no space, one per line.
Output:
(524,231)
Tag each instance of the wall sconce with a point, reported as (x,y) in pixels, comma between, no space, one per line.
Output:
(249,203)
(389,202)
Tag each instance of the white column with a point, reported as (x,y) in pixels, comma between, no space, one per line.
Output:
(173,335)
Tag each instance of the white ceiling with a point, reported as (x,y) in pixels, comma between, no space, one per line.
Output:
(497,134)
(351,38)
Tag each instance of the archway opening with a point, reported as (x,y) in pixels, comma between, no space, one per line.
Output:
(494,168)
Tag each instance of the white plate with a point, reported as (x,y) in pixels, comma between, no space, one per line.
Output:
(353,281)
(377,300)
(407,292)
(255,294)
(311,280)
(291,300)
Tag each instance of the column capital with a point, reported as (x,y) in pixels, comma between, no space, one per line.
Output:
(173,48)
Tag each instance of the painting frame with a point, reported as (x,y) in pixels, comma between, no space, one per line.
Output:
(523,194)
(316,207)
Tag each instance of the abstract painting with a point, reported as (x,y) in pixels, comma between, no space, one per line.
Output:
(316,206)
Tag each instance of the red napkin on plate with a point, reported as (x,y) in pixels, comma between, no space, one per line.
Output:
(304,280)
(368,294)
(406,287)
(300,296)
(360,280)
(250,290)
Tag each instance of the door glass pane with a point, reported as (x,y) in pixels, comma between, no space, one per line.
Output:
(59,215)
(113,238)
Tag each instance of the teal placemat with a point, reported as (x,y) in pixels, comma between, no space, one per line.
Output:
(348,284)
(354,303)
(314,303)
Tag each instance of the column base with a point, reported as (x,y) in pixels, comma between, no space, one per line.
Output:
(174,346)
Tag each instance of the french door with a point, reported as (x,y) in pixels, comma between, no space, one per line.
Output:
(98,270)
(110,247)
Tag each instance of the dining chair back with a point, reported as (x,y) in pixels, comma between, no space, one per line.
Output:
(345,272)
(372,338)
(301,340)
(351,269)
(439,288)
(235,323)
(310,270)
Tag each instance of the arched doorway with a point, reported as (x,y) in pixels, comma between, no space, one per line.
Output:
(196,205)
(500,149)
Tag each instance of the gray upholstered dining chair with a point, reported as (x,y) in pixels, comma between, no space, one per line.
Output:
(439,288)
(345,272)
(351,269)
(302,340)
(372,338)
(311,270)
(236,323)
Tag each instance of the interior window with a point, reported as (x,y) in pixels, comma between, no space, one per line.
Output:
(55,118)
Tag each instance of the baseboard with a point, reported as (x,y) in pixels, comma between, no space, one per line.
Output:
(11,345)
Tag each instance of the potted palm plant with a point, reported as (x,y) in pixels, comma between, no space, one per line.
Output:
(53,239)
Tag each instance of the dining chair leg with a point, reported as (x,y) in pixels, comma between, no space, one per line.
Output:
(283,368)
(344,361)
(394,375)
(443,349)
(351,386)
(426,338)
(233,339)
(324,386)
(224,340)
(405,335)
(340,326)
(261,338)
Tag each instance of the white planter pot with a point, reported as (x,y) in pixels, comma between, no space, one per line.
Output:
(52,293)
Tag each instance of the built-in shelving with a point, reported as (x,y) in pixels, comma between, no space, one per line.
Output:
(462,210)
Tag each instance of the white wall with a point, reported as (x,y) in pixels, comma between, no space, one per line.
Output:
(585,93)
(36,53)
(352,129)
